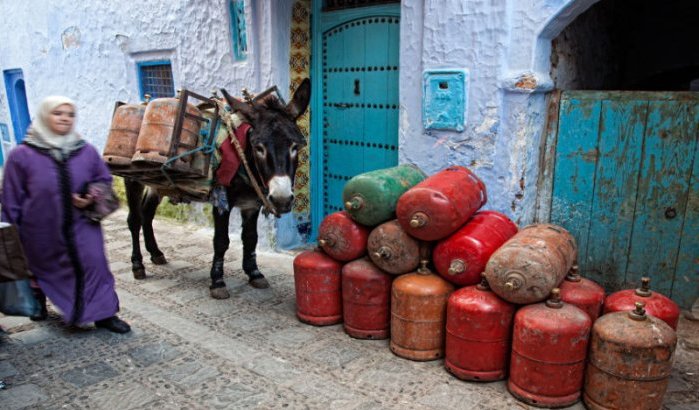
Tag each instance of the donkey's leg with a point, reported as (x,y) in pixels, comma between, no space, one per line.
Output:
(249,237)
(134,194)
(149,206)
(221,242)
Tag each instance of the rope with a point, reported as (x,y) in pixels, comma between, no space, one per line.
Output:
(226,115)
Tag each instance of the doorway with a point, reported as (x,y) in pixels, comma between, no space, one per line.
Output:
(17,99)
(355,112)
(625,164)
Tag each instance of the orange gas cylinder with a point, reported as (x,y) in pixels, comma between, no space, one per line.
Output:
(656,304)
(418,314)
(341,237)
(531,263)
(549,345)
(318,280)
(630,361)
(393,250)
(439,205)
(583,293)
(123,134)
(156,140)
(461,257)
(366,300)
(479,331)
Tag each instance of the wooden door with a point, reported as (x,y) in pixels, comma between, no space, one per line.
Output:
(626,184)
(358,66)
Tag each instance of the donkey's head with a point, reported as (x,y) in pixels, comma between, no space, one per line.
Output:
(275,140)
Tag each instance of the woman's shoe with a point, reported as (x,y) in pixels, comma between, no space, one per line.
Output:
(43,311)
(114,324)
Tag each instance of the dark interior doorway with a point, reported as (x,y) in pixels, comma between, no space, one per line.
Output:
(644,45)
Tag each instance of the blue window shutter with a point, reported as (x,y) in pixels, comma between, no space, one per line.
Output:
(238,29)
(155,78)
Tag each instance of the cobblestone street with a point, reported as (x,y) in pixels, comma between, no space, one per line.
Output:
(189,351)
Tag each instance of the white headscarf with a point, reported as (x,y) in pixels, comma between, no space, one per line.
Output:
(41,135)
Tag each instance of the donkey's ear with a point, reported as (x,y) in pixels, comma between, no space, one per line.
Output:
(300,100)
(244,108)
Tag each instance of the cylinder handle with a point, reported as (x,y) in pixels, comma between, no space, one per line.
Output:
(644,290)
(514,281)
(383,252)
(419,220)
(146,98)
(457,266)
(354,204)
(554,300)
(639,313)
(423,269)
(573,274)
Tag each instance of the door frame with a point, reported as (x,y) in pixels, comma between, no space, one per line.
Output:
(19,110)
(320,23)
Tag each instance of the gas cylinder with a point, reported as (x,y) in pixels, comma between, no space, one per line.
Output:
(156,139)
(549,345)
(531,263)
(370,198)
(341,237)
(393,250)
(461,257)
(631,355)
(441,204)
(656,304)
(583,293)
(418,314)
(479,331)
(123,133)
(366,300)
(318,281)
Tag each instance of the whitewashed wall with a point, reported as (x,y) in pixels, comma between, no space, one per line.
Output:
(505,46)
(88,50)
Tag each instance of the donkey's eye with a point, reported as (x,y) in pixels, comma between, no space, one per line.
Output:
(293,150)
(260,150)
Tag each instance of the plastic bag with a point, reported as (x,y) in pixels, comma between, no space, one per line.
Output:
(17,299)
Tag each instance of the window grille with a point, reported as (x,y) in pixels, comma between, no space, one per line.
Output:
(238,29)
(155,78)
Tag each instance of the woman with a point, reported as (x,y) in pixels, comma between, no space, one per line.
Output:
(42,195)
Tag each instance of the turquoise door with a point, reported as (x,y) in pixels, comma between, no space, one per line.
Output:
(356,75)
(626,184)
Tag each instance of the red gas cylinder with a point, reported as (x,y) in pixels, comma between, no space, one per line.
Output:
(418,314)
(366,300)
(583,293)
(479,331)
(123,134)
(461,258)
(317,279)
(341,237)
(439,205)
(656,304)
(549,345)
(393,250)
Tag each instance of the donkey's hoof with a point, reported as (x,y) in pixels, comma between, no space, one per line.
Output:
(257,280)
(220,293)
(139,274)
(158,259)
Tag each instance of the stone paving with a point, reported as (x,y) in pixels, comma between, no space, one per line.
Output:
(189,351)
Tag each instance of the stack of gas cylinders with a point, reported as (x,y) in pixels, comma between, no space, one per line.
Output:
(503,303)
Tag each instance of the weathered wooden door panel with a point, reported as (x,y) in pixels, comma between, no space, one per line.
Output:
(359,125)
(625,184)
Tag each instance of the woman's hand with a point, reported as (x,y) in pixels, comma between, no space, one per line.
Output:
(82,201)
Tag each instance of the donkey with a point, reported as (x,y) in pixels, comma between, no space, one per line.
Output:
(272,153)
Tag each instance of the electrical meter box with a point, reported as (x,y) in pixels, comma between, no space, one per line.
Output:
(444,98)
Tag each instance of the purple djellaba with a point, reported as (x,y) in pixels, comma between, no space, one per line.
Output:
(41,195)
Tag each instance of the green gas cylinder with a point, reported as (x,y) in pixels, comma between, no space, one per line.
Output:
(371,198)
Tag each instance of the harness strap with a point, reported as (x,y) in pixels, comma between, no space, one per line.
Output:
(226,115)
